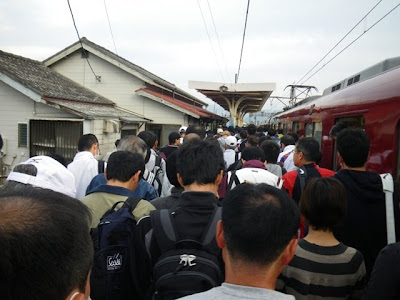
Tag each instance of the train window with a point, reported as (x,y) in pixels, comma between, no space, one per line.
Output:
(318,132)
(350,81)
(295,127)
(357,78)
(309,129)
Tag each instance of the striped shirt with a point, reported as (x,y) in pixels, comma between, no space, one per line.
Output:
(317,272)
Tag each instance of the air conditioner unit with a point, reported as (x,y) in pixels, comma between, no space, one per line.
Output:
(110,126)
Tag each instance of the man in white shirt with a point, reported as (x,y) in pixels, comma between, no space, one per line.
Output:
(230,155)
(85,166)
(285,158)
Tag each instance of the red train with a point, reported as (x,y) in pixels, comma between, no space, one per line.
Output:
(369,99)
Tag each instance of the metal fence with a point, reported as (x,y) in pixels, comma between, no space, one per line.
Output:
(49,137)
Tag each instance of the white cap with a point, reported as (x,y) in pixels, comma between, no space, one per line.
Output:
(50,175)
(182,129)
(220,130)
(231,141)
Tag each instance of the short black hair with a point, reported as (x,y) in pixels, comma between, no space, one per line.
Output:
(199,161)
(251,153)
(251,129)
(1,142)
(198,129)
(295,136)
(262,138)
(253,140)
(173,136)
(46,250)
(271,151)
(310,149)
(287,140)
(122,165)
(336,129)
(324,203)
(271,132)
(353,145)
(149,137)
(258,221)
(171,169)
(86,142)
(243,134)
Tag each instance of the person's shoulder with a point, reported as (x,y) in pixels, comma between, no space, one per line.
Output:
(325,172)
(290,175)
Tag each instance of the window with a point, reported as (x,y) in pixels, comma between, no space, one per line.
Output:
(309,128)
(295,127)
(55,137)
(314,130)
(357,78)
(22,135)
(350,81)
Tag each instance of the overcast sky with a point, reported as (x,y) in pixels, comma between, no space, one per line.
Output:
(284,39)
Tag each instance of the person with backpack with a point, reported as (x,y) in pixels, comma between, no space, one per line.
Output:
(155,166)
(180,243)
(306,154)
(123,174)
(257,235)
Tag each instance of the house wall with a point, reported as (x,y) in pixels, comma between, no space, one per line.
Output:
(118,86)
(18,108)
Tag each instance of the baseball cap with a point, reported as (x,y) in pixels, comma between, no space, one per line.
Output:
(231,141)
(50,175)
(182,129)
(220,130)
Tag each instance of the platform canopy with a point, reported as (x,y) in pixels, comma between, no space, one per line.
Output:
(237,98)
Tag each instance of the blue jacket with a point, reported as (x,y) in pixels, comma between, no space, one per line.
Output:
(144,189)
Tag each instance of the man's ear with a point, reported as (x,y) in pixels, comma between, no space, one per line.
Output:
(105,174)
(219,177)
(180,180)
(340,158)
(219,236)
(289,251)
(136,176)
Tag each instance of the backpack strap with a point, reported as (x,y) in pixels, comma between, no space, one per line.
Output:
(163,229)
(209,234)
(158,161)
(131,202)
(388,189)
(232,179)
(302,174)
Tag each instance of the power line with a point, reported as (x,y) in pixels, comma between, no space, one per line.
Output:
(244,34)
(98,78)
(354,41)
(109,25)
(216,33)
(209,38)
(339,42)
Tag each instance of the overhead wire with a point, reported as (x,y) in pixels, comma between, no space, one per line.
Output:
(219,43)
(209,38)
(98,78)
(109,25)
(365,31)
(244,34)
(339,41)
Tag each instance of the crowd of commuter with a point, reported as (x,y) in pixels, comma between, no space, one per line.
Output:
(234,213)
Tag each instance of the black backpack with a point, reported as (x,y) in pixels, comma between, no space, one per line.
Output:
(184,267)
(113,273)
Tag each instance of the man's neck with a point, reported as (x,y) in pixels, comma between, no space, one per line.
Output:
(195,187)
(345,167)
(252,275)
(117,183)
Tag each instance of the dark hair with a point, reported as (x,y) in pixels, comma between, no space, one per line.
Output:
(243,134)
(59,158)
(122,165)
(295,136)
(250,153)
(336,129)
(199,161)
(173,136)
(253,140)
(271,151)
(198,129)
(116,143)
(272,132)
(287,140)
(324,203)
(353,146)
(133,144)
(1,142)
(46,250)
(262,139)
(86,142)
(149,137)
(251,129)
(310,149)
(259,221)
(171,169)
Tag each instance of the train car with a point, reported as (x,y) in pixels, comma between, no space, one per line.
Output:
(370,100)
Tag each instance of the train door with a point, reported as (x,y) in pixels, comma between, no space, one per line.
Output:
(347,122)
(398,154)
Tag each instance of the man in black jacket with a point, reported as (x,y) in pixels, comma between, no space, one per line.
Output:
(199,167)
(364,227)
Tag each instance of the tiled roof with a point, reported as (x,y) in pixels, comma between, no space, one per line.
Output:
(151,76)
(45,81)
(201,112)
